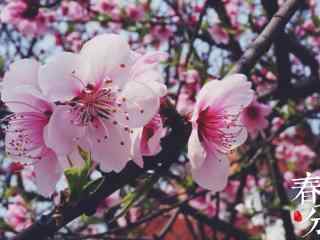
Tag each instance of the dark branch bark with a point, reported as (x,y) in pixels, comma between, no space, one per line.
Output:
(233,44)
(281,50)
(214,223)
(268,35)
(284,200)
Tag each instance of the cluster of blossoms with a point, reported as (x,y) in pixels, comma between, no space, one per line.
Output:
(254,117)
(219,34)
(96,99)
(109,100)
(105,99)
(187,96)
(293,152)
(18,215)
(27,18)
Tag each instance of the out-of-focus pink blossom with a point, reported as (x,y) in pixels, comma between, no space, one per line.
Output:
(27,21)
(254,117)
(277,123)
(232,8)
(313,102)
(18,215)
(109,7)
(205,205)
(74,41)
(135,12)
(231,190)
(108,203)
(217,129)
(161,33)
(104,92)
(16,167)
(307,26)
(287,177)
(264,88)
(291,150)
(74,10)
(133,215)
(218,34)
(187,96)
(25,131)
(146,140)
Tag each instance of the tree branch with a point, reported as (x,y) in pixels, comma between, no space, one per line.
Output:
(233,44)
(281,50)
(214,223)
(267,36)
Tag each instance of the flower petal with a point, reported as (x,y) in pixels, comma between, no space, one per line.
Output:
(143,101)
(154,142)
(153,80)
(25,98)
(21,72)
(105,53)
(196,152)
(147,62)
(47,172)
(120,74)
(233,93)
(213,174)
(20,86)
(110,145)
(135,148)
(61,134)
(63,77)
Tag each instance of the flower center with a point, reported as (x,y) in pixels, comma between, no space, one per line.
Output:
(94,103)
(252,112)
(24,134)
(219,128)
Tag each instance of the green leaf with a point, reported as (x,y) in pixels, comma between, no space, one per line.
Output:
(316,20)
(86,156)
(78,178)
(1,64)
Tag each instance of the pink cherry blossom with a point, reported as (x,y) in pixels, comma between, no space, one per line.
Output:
(233,8)
(254,117)
(135,12)
(161,33)
(205,204)
(217,129)
(74,10)
(19,14)
(313,102)
(101,93)
(16,167)
(18,215)
(191,86)
(218,34)
(231,190)
(109,7)
(108,203)
(25,130)
(74,41)
(146,140)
